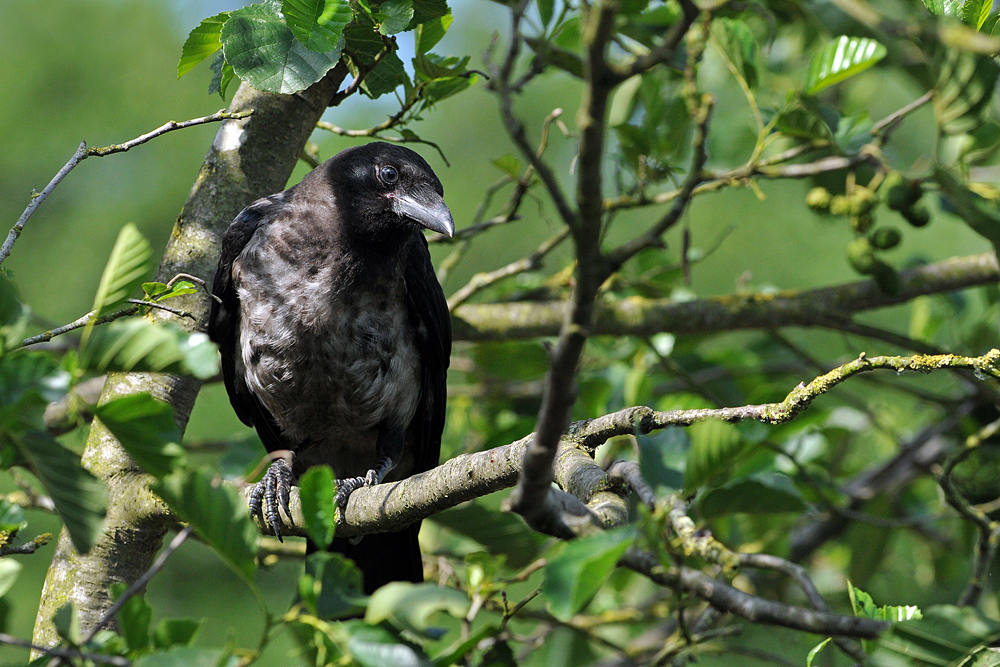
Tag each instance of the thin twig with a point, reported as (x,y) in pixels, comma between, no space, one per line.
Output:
(82,153)
(60,653)
(532,262)
(141,582)
(160,306)
(78,323)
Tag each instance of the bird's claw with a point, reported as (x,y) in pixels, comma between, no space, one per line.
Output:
(272,492)
(345,487)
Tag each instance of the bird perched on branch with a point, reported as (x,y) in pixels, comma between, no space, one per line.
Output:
(335,334)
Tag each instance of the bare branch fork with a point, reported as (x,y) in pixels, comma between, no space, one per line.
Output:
(82,153)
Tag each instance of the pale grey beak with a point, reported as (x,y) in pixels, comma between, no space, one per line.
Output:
(427,209)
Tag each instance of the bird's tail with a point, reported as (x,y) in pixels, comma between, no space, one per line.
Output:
(385,557)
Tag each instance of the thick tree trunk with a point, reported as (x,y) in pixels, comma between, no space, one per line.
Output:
(249,158)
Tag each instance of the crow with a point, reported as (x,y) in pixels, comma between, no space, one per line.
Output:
(335,335)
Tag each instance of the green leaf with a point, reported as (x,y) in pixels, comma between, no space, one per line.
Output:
(971,12)
(410,606)
(841,59)
(739,47)
(159,291)
(944,636)
(331,587)
(815,651)
(124,271)
(761,493)
(67,623)
(463,647)
(14,315)
(79,497)
(545,10)
(499,532)
(317,489)
(965,87)
(982,215)
(223,75)
(508,164)
(864,607)
(9,569)
(138,345)
(375,646)
(431,32)
(394,16)
(12,519)
(201,42)
(574,576)
(216,512)
(146,428)
(318,24)
(264,52)
(134,618)
(185,656)
(28,381)
(176,632)
(428,10)
(714,446)
(388,75)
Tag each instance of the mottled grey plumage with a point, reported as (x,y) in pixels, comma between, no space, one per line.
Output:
(334,331)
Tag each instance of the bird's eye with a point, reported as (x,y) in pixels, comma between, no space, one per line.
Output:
(389,175)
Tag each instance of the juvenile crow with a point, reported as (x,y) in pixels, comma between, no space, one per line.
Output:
(335,334)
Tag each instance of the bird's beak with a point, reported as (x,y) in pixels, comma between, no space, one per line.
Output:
(427,209)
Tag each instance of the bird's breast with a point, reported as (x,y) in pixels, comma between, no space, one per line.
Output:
(331,362)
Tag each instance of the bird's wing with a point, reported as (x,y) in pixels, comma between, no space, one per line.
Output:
(224,319)
(429,310)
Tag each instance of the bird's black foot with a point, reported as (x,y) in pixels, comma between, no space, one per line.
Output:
(272,492)
(345,487)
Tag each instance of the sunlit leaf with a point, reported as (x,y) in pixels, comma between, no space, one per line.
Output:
(264,52)
(375,646)
(972,12)
(841,59)
(410,606)
(944,636)
(431,32)
(146,428)
(217,513)
(201,42)
(138,345)
(124,271)
(394,16)
(317,23)
(156,291)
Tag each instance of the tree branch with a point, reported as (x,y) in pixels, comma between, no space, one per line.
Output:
(637,316)
(82,153)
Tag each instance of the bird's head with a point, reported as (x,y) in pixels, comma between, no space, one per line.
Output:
(390,190)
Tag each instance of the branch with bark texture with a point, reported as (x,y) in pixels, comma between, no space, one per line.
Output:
(637,316)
